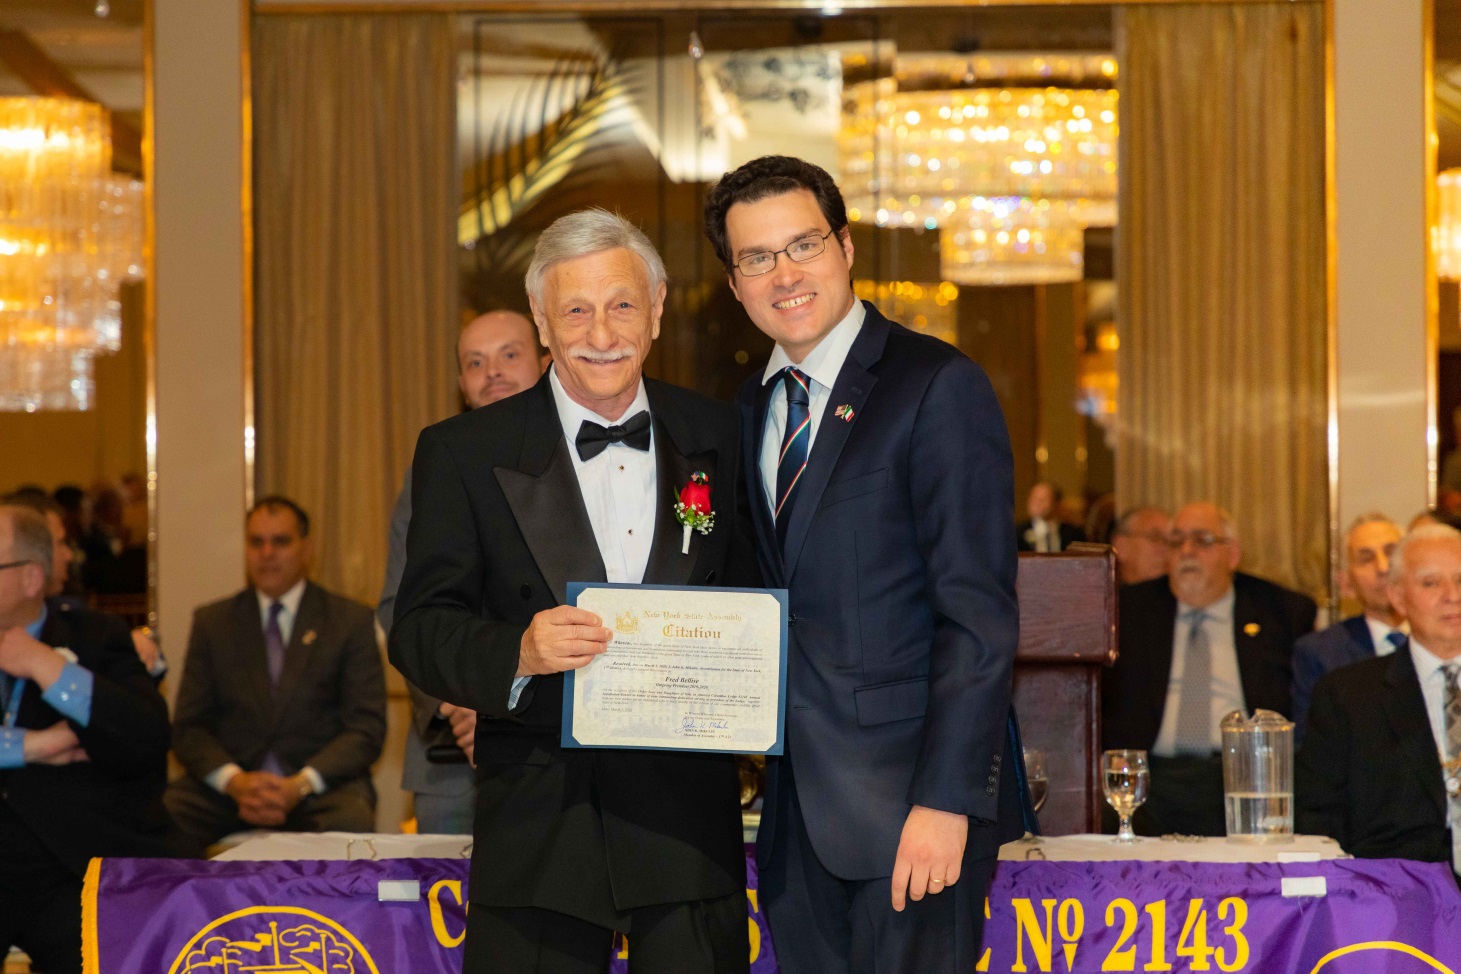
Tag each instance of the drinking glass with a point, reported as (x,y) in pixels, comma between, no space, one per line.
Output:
(1035,775)
(1125,779)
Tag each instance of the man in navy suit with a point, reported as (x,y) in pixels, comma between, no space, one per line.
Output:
(880,471)
(1375,632)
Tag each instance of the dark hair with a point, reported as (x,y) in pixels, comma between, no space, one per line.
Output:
(765,177)
(35,499)
(274,502)
(69,496)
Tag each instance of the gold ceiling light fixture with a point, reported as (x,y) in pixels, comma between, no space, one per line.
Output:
(1446,238)
(1009,156)
(70,234)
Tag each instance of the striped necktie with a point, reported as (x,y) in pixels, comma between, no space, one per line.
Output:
(794,446)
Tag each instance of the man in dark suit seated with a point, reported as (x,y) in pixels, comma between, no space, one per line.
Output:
(1140,542)
(83,750)
(1368,547)
(1045,531)
(282,706)
(1380,769)
(1195,645)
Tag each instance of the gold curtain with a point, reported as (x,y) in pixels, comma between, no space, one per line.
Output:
(356,287)
(1221,263)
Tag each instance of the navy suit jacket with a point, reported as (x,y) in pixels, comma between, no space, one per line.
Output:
(1322,652)
(900,561)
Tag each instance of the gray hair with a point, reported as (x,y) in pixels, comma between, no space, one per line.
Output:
(30,536)
(1426,532)
(587,232)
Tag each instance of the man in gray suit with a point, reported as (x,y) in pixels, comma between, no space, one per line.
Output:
(497,355)
(282,707)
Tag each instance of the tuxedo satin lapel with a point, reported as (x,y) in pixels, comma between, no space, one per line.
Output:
(302,638)
(1405,709)
(550,513)
(252,658)
(762,523)
(854,384)
(667,565)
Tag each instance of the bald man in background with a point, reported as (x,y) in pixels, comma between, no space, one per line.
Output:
(497,356)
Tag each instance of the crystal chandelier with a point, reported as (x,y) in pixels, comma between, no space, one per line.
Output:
(70,234)
(1010,156)
(1446,238)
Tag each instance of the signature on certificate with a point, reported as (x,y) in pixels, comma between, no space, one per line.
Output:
(691,723)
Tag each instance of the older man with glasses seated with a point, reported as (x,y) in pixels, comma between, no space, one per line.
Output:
(1201,641)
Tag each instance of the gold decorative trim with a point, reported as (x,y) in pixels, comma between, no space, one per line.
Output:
(1432,296)
(246,204)
(1331,307)
(268,7)
(149,293)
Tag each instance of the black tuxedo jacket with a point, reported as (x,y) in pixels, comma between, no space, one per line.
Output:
(111,804)
(900,561)
(1369,773)
(330,711)
(499,530)
(1267,620)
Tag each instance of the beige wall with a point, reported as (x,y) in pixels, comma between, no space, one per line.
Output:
(1380,173)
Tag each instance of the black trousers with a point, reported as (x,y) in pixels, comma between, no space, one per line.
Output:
(821,924)
(202,816)
(40,901)
(699,937)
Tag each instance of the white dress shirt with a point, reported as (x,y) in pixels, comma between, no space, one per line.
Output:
(219,777)
(821,366)
(618,488)
(1047,535)
(1226,684)
(1428,669)
(1380,635)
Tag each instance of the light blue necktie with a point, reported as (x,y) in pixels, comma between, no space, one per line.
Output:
(1194,700)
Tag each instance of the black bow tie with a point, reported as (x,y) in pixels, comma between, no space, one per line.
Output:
(594,439)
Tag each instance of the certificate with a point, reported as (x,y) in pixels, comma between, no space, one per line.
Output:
(688,669)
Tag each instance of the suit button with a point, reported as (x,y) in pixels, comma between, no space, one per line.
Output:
(989,791)
(996,760)
(526,591)
(710,577)
(791,620)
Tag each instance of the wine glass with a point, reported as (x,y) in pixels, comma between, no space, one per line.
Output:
(1125,779)
(1035,775)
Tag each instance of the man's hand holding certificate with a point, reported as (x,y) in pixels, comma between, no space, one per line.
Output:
(687,669)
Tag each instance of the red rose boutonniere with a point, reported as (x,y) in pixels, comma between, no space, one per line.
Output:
(693,509)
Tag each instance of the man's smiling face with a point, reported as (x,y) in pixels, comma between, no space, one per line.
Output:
(796,304)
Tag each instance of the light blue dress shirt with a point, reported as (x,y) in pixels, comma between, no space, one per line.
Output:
(70,696)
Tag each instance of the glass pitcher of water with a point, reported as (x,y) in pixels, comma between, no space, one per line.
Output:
(1258,776)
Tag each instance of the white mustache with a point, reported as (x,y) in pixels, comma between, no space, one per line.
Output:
(594,355)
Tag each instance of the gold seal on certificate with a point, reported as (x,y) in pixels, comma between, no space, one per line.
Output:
(688,669)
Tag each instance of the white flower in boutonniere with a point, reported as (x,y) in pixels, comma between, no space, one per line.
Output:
(693,509)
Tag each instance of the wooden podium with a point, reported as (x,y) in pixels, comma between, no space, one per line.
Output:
(1067,634)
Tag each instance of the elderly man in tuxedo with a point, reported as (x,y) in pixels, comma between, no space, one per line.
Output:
(1376,631)
(882,477)
(83,750)
(282,705)
(1380,769)
(572,480)
(1196,644)
(497,355)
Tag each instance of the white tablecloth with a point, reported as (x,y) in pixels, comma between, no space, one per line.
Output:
(1103,848)
(349,845)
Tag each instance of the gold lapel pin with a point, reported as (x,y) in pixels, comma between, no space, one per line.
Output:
(844,412)
(309,638)
(1252,629)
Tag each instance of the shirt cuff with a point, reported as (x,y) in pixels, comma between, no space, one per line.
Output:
(313,777)
(158,669)
(516,691)
(12,747)
(70,695)
(219,777)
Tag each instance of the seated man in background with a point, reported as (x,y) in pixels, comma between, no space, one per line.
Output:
(1368,547)
(282,706)
(1381,763)
(83,750)
(1140,542)
(1195,645)
(1045,531)
(497,356)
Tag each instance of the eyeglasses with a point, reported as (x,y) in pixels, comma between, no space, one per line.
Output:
(1199,539)
(800,250)
(16,564)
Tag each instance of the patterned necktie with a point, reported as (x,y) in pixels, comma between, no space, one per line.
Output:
(274,645)
(794,446)
(1453,710)
(1194,700)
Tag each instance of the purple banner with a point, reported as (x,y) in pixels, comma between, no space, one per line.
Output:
(408,915)
(346,917)
(1341,917)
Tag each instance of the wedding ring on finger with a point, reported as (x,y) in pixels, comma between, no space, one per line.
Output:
(935,882)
